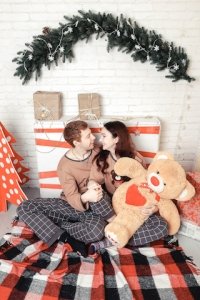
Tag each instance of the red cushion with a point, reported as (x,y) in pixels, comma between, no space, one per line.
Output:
(190,210)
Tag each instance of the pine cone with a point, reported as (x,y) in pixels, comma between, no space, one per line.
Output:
(46,30)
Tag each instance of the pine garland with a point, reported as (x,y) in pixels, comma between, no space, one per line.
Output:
(55,44)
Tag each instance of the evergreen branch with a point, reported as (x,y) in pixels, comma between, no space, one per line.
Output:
(46,49)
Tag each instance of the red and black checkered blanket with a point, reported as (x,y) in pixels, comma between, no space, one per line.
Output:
(29,270)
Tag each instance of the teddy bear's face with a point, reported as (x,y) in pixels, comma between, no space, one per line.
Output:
(167,178)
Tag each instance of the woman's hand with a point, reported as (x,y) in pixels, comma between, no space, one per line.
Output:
(147,211)
(93,185)
(92,195)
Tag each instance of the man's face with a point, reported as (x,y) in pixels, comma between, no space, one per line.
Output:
(87,139)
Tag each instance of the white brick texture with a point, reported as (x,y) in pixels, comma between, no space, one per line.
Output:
(126,87)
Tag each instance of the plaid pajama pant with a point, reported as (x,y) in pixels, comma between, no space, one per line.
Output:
(50,217)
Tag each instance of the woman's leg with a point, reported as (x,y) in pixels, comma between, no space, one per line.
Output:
(154,228)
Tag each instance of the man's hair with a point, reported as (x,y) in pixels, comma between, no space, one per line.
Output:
(72,131)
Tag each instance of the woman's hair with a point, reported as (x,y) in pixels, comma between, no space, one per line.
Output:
(124,146)
(72,131)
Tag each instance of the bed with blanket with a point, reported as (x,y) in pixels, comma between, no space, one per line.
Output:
(31,270)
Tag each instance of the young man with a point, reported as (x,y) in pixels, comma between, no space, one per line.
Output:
(81,213)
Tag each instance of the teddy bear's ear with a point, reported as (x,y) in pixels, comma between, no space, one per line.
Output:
(126,166)
(163,155)
(187,193)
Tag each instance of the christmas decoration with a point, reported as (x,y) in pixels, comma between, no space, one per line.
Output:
(141,44)
(11,171)
(16,158)
(89,106)
(47,105)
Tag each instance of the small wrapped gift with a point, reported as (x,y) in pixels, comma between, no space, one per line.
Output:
(47,105)
(89,106)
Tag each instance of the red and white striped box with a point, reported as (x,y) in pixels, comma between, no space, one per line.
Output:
(50,145)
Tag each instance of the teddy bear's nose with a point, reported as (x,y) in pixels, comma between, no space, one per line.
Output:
(155,181)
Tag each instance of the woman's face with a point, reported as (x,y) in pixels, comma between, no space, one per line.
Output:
(107,140)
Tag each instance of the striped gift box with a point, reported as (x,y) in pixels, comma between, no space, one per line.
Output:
(50,145)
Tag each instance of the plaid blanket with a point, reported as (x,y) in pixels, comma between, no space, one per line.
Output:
(31,270)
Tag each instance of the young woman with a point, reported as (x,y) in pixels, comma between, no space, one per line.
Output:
(116,143)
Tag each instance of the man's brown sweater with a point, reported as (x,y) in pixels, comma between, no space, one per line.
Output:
(73,176)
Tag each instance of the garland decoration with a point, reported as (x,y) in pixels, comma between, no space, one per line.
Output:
(55,44)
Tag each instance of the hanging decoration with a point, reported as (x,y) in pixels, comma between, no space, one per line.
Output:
(141,44)
(11,171)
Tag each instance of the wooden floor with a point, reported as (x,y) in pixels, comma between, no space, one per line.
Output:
(190,246)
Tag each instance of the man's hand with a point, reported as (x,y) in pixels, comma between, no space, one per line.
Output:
(92,195)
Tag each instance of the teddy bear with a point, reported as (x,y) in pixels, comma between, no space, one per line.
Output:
(164,180)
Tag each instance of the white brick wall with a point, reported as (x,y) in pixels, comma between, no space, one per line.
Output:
(127,87)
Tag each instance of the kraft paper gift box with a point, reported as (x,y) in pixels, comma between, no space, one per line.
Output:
(47,105)
(89,106)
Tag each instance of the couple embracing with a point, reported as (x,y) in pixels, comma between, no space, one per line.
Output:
(84,208)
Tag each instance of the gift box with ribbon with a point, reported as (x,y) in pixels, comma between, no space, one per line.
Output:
(89,106)
(47,105)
